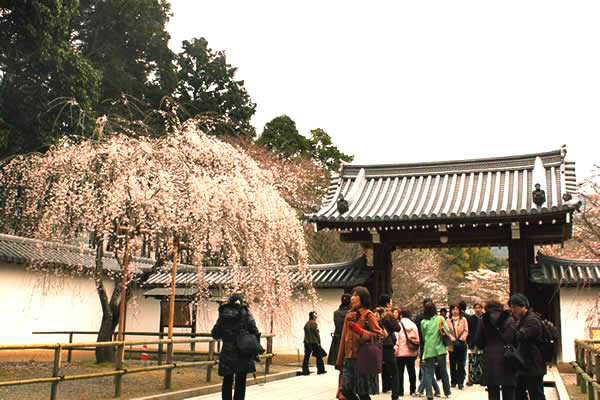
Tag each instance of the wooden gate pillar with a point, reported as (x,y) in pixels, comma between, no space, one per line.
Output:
(520,256)
(382,279)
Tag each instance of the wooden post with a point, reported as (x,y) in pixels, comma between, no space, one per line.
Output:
(597,367)
(589,369)
(124,288)
(382,265)
(56,371)
(211,357)
(119,366)
(194,311)
(70,348)
(121,348)
(169,372)
(160,346)
(520,256)
(269,351)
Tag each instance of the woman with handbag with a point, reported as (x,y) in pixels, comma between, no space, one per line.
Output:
(495,332)
(407,350)
(459,330)
(433,329)
(234,320)
(360,349)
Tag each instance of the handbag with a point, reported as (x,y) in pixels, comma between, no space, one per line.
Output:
(412,345)
(318,351)
(247,343)
(458,345)
(444,334)
(513,357)
(369,358)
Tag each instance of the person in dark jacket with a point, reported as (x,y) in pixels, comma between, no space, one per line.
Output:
(390,379)
(339,316)
(234,317)
(475,352)
(338,320)
(496,330)
(530,341)
(312,345)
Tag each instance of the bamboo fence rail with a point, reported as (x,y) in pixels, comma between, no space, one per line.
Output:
(587,366)
(119,346)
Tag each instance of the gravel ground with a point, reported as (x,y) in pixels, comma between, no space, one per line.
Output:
(134,385)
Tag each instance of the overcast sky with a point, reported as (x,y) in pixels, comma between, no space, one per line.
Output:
(397,81)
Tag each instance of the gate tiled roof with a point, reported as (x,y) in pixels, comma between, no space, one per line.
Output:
(486,187)
(565,272)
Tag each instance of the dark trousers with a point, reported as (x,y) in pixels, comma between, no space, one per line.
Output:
(390,379)
(240,387)
(508,392)
(534,385)
(409,363)
(308,350)
(457,367)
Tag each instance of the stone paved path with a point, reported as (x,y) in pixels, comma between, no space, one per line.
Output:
(323,387)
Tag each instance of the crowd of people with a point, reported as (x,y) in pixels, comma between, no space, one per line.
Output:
(478,348)
(503,347)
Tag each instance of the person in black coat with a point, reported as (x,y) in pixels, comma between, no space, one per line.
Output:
(495,330)
(339,316)
(530,340)
(234,317)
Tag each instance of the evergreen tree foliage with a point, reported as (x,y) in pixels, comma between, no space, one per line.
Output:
(206,85)
(281,136)
(47,87)
(459,261)
(324,151)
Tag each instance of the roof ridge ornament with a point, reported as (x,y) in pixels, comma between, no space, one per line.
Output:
(539,182)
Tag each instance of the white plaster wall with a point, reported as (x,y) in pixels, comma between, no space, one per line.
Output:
(575,306)
(35,301)
(288,343)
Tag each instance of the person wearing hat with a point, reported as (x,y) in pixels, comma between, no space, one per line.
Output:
(530,340)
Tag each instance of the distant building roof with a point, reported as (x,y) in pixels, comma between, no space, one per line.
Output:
(337,275)
(21,250)
(565,272)
(475,189)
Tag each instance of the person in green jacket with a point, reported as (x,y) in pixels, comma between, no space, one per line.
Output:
(434,350)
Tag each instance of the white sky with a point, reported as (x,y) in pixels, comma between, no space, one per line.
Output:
(398,81)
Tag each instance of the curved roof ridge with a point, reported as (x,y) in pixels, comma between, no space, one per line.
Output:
(546,259)
(557,152)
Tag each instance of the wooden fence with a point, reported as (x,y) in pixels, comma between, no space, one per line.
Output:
(587,366)
(119,370)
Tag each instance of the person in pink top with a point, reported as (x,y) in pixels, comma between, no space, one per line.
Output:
(459,330)
(406,349)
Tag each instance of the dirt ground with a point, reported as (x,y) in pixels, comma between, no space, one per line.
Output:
(134,385)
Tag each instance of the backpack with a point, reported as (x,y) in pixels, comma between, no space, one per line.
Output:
(549,341)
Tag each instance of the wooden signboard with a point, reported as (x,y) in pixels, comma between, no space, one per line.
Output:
(183,315)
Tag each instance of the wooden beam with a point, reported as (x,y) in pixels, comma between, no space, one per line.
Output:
(480,236)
